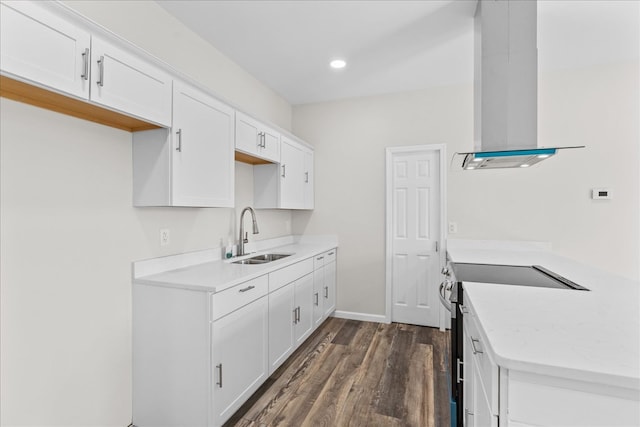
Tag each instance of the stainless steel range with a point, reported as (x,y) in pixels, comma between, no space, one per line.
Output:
(457,273)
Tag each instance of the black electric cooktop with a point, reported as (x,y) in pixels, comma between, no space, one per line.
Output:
(519,275)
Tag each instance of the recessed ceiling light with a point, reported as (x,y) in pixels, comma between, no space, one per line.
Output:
(543,156)
(524,166)
(338,63)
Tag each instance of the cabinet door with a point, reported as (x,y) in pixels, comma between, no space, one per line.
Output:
(247,138)
(239,352)
(304,304)
(309,195)
(329,288)
(468,386)
(123,82)
(291,176)
(482,415)
(270,147)
(202,155)
(281,321)
(318,296)
(40,47)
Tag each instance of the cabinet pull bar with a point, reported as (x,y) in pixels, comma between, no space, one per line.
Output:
(179,144)
(473,346)
(306,177)
(284,171)
(298,314)
(464,309)
(264,140)
(326,292)
(101,71)
(330,253)
(219,383)
(317,299)
(295,315)
(85,64)
(248,288)
(320,258)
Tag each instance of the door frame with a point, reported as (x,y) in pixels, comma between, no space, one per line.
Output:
(441,149)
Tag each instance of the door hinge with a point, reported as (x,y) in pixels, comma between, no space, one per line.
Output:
(436,246)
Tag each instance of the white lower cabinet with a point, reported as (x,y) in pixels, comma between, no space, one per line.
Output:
(239,352)
(303,301)
(198,356)
(496,396)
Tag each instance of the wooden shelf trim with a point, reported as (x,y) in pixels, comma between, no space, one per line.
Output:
(43,98)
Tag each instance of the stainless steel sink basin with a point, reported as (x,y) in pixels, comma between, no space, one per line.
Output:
(270,257)
(262,259)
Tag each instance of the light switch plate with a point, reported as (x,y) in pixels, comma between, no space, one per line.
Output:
(600,193)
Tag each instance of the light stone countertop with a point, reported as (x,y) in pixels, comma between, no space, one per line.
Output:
(586,336)
(216,275)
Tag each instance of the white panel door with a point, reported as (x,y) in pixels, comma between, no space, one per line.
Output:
(318,299)
(203,154)
(40,47)
(416,230)
(329,290)
(308,180)
(304,304)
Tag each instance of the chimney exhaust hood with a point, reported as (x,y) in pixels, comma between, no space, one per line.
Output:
(506,87)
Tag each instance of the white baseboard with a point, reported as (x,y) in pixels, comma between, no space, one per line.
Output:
(365,317)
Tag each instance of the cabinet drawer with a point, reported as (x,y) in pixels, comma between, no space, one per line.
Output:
(330,256)
(285,275)
(487,369)
(231,299)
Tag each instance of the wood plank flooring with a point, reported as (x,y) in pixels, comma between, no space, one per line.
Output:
(351,373)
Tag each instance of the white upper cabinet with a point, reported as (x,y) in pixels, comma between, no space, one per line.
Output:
(124,82)
(309,199)
(291,175)
(256,138)
(39,47)
(50,50)
(289,184)
(192,164)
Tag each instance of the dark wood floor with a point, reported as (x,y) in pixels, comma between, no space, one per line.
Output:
(351,373)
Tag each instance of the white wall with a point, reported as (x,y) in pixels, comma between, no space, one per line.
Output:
(597,107)
(68,234)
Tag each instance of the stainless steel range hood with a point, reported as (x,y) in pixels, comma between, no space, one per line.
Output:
(506,87)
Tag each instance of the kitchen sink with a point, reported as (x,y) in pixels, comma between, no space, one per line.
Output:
(262,259)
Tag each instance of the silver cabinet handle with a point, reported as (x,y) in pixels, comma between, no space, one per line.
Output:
(320,258)
(331,253)
(295,315)
(326,292)
(459,364)
(473,346)
(317,299)
(219,383)
(262,140)
(464,309)
(179,144)
(101,71)
(284,171)
(306,177)
(248,288)
(298,314)
(85,64)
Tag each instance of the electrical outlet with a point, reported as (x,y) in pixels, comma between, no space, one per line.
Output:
(165,236)
(453,227)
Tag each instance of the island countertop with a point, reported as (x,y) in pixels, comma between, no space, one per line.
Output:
(589,336)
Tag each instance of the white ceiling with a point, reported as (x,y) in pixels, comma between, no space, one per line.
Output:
(391,46)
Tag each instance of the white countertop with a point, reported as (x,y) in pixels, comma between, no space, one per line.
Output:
(587,336)
(217,275)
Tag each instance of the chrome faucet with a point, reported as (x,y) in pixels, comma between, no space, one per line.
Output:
(244,237)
